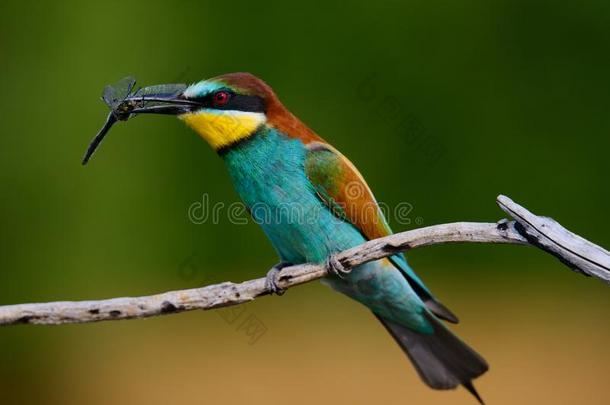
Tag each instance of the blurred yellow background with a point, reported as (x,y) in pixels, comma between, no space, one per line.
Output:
(442,106)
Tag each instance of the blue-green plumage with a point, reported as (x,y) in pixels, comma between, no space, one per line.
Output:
(268,171)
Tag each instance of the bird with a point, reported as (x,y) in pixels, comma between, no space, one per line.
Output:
(311,203)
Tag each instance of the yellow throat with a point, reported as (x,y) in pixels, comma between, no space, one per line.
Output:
(223,128)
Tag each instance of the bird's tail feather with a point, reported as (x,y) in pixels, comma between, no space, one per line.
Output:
(441,359)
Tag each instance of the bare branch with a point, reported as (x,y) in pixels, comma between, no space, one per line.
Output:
(526,229)
(574,251)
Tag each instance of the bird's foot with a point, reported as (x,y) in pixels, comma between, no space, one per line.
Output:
(273,276)
(335,267)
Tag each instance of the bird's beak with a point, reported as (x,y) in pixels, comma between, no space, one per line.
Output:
(160,104)
(163,99)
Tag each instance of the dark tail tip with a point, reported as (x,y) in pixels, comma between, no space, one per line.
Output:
(438,309)
(470,387)
(441,359)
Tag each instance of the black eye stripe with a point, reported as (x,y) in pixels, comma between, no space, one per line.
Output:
(242,102)
(237,102)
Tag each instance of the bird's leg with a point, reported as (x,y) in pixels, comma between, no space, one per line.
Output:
(273,276)
(335,267)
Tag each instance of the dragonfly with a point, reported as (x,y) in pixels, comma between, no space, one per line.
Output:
(125,102)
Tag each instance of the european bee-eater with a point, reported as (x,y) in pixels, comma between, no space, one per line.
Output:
(312,202)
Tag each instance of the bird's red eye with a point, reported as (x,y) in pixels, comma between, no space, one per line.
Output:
(221,98)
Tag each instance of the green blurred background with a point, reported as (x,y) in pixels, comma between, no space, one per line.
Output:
(442,105)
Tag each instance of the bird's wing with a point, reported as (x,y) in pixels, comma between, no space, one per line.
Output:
(343,189)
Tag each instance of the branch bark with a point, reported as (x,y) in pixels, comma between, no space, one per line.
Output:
(526,229)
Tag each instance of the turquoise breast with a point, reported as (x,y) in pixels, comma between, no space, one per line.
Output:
(269,175)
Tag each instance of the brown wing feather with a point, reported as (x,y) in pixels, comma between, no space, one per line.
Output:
(343,189)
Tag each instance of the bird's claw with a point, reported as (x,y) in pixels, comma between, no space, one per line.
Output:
(273,277)
(335,267)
